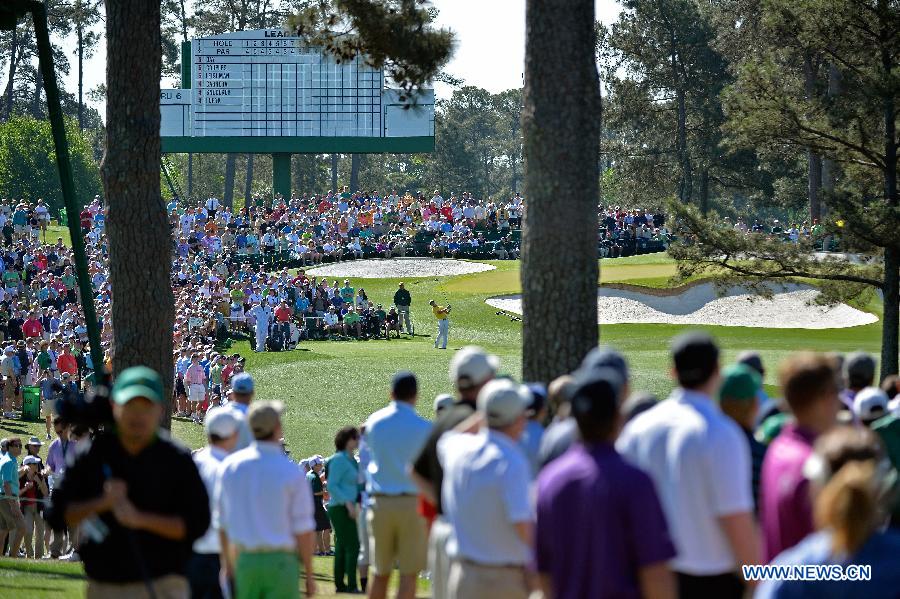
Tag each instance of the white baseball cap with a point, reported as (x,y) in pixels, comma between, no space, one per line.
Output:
(870,403)
(221,422)
(442,402)
(472,366)
(503,401)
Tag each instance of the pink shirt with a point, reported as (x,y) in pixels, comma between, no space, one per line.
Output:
(785,506)
(195,375)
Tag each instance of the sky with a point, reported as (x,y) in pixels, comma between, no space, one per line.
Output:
(487,55)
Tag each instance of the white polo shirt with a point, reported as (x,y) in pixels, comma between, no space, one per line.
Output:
(699,461)
(263,499)
(485,492)
(209,463)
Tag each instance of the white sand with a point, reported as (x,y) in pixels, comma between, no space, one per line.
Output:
(790,308)
(399,268)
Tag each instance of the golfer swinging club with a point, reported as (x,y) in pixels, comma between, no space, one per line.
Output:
(443,317)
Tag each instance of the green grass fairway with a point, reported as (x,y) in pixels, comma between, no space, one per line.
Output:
(326,385)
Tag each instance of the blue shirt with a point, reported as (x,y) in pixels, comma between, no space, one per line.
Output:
(9,472)
(880,551)
(342,479)
(394,435)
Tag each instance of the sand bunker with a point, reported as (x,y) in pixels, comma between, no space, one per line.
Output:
(790,308)
(399,268)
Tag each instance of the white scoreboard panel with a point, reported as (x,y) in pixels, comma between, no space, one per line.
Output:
(264,83)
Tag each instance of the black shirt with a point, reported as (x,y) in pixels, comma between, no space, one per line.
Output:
(162,479)
(427,464)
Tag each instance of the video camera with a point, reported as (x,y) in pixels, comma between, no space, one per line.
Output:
(91,409)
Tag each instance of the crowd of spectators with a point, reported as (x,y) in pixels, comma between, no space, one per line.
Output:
(581,488)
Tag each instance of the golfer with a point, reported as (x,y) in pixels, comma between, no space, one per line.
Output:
(443,317)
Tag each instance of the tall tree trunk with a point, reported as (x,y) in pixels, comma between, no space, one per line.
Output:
(228,196)
(814,183)
(190,175)
(561,128)
(248,181)
(829,167)
(80,29)
(36,104)
(814,166)
(891,322)
(686,183)
(354,173)
(10,84)
(140,241)
(334,172)
(704,191)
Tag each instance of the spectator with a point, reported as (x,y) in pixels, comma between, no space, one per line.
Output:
(534,428)
(239,399)
(563,432)
(859,373)
(620,544)
(263,505)
(343,488)
(34,492)
(146,491)
(700,464)
(222,436)
(323,524)
(766,406)
(738,398)
(850,487)
(486,499)
(870,404)
(394,436)
(12,522)
(810,386)
(470,370)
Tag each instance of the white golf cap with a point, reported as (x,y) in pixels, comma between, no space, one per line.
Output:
(472,366)
(502,401)
(442,402)
(870,403)
(221,422)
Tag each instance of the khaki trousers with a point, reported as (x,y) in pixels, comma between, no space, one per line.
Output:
(34,532)
(164,587)
(474,581)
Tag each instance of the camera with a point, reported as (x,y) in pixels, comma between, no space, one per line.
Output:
(91,409)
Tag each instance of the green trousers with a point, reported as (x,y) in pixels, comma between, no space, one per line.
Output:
(346,548)
(268,575)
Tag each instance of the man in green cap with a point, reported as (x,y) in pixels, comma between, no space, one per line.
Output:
(137,497)
(738,400)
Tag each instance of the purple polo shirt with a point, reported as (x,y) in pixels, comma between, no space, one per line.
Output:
(785,507)
(598,522)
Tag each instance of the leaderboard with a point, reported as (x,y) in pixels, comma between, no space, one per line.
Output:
(265,83)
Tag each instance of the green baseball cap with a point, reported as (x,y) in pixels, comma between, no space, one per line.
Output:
(739,382)
(137,381)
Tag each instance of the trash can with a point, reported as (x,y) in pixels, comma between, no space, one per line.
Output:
(31,404)
(63,217)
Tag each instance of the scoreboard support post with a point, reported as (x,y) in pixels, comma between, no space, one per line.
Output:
(281,174)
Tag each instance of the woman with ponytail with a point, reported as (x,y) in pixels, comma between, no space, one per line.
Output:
(852,484)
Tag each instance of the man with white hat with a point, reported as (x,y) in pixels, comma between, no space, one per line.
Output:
(486,498)
(470,369)
(264,513)
(221,426)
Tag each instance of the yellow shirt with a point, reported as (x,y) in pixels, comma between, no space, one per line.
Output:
(440,312)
